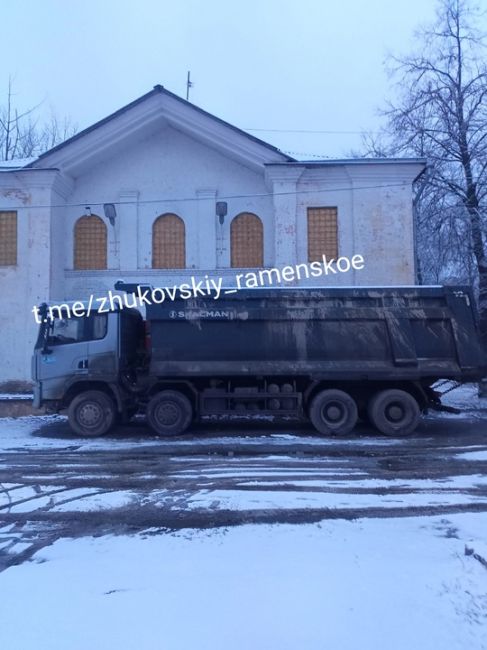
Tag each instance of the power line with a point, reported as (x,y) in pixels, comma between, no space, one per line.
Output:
(312,131)
(191,199)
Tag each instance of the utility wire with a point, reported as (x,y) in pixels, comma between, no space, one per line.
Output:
(328,132)
(189,199)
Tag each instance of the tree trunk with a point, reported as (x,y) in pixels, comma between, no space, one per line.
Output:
(481,259)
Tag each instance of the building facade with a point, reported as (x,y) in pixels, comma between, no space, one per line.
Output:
(191,196)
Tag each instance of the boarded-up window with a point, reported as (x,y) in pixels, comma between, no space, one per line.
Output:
(322,233)
(168,243)
(8,238)
(90,243)
(247,241)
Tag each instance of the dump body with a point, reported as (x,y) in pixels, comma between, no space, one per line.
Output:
(408,333)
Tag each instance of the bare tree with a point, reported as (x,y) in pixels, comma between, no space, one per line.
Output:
(441,114)
(22,135)
(54,131)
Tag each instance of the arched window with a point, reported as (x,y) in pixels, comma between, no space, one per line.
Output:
(90,243)
(168,242)
(247,241)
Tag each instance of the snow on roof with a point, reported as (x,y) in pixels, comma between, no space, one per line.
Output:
(325,162)
(16,163)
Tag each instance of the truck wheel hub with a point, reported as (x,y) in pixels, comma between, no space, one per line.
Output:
(167,414)
(333,412)
(90,414)
(394,412)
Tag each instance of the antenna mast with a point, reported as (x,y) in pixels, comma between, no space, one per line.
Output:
(189,84)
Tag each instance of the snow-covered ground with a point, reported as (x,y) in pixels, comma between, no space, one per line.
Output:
(466,399)
(368,573)
(396,584)
(29,432)
(275,494)
(15,396)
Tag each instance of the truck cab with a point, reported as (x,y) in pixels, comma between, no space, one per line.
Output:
(97,353)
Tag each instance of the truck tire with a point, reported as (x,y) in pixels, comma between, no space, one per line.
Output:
(169,413)
(92,413)
(394,412)
(333,412)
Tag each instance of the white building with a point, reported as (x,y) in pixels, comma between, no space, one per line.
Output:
(164,164)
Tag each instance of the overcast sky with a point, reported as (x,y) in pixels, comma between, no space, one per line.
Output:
(268,64)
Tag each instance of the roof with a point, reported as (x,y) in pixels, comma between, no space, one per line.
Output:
(157,90)
(334,162)
(353,161)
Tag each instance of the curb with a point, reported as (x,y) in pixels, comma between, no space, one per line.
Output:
(16,406)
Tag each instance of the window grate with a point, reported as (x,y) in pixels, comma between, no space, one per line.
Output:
(8,238)
(247,241)
(322,233)
(168,242)
(90,243)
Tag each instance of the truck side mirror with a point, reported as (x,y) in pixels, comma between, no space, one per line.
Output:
(43,312)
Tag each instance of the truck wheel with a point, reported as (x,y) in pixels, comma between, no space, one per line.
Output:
(169,413)
(91,413)
(394,412)
(333,412)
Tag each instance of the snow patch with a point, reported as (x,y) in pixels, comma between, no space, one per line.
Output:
(338,584)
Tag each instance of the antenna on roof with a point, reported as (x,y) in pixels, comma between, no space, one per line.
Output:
(189,84)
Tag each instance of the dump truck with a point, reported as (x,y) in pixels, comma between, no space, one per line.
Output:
(331,356)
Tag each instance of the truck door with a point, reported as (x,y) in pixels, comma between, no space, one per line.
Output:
(65,352)
(103,345)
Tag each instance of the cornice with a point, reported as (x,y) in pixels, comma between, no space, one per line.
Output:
(283,174)
(28,178)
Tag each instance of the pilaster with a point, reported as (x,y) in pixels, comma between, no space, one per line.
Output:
(126,231)
(207,229)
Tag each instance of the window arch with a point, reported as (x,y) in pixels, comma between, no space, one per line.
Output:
(168,242)
(90,243)
(247,241)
